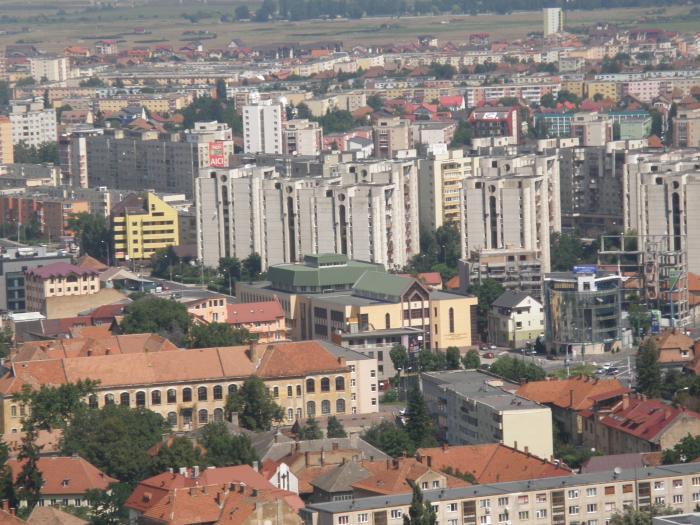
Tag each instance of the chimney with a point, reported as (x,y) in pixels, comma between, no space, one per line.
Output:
(256,466)
(195,472)
(253,353)
(183,471)
(526,449)
(445,446)
(571,398)
(388,463)
(515,445)
(625,401)
(429,460)
(306,458)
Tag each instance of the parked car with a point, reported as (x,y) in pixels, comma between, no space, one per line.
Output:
(489,355)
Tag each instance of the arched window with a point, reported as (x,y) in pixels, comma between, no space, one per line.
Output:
(140,399)
(451,314)
(202,393)
(298,390)
(92,401)
(203,417)
(172,395)
(172,419)
(310,386)
(276,392)
(124,398)
(109,399)
(325,407)
(387,321)
(310,409)
(290,391)
(232,389)
(155,397)
(218,415)
(340,406)
(218,392)
(340,383)
(325,384)
(186,394)
(290,414)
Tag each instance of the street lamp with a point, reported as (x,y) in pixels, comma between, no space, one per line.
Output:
(106,246)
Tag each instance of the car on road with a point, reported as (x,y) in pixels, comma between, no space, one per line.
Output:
(489,355)
(613,370)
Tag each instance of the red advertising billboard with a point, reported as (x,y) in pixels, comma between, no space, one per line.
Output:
(217,157)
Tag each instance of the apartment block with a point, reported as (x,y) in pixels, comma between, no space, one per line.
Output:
(13,291)
(367,212)
(471,408)
(49,68)
(660,191)
(51,215)
(553,20)
(262,127)
(58,280)
(513,268)
(686,128)
(7,154)
(142,225)
(302,137)
(592,129)
(72,154)
(496,122)
(31,123)
(391,134)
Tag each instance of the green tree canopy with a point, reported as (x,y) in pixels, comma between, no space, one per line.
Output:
(93,235)
(420,512)
(419,424)
(310,430)
(217,334)
(452,358)
(399,357)
(225,449)
(335,429)
(516,369)
(648,369)
(471,360)
(179,452)
(390,439)
(157,315)
(53,407)
(255,407)
(685,451)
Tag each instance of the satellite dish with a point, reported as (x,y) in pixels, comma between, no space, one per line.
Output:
(617,471)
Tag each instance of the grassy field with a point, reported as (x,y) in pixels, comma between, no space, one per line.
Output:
(55,25)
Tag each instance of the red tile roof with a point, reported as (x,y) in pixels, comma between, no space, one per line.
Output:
(66,475)
(262,312)
(574,393)
(60,269)
(397,476)
(644,418)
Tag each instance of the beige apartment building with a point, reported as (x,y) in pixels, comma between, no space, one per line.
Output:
(582,499)
(686,128)
(58,280)
(7,155)
(391,134)
(189,387)
(302,137)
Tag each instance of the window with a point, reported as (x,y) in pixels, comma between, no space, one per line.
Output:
(452,522)
(541,514)
(627,489)
(343,520)
(172,419)
(155,397)
(696,481)
(372,373)
(574,509)
(310,409)
(523,515)
(396,514)
(659,500)
(298,390)
(424,485)
(451,507)
(340,383)
(387,321)
(325,407)
(485,504)
(203,417)
(232,389)
(436,484)
(502,517)
(109,398)
(218,392)
(140,399)
(218,415)
(677,483)
(592,522)
(340,406)
(78,503)
(523,500)
(186,395)
(592,507)
(171,395)
(451,315)
(573,493)
(276,392)
(485,520)
(325,384)
(374,402)
(310,386)
(124,398)
(435,508)
(92,402)
(502,502)
(541,497)
(658,485)
(290,391)
(591,492)
(610,507)
(696,496)
(202,393)
(363,518)
(678,498)
(610,490)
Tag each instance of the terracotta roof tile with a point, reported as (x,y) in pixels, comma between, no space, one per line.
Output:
(644,418)
(262,312)
(60,269)
(66,475)
(574,393)
(53,516)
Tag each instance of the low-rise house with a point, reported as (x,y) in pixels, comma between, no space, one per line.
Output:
(568,397)
(52,516)
(66,479)
(636,424)
(264,320)
(675,349)
(58,280)
(515,320)
(490,463)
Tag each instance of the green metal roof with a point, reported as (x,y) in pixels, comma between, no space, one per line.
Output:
(323,259)
(309,275)
(385,285)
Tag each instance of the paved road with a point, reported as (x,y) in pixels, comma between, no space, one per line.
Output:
(186,289)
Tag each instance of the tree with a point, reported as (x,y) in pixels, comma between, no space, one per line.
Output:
(634,516)
(685,451)
(45,153)
(448,244)
(419,425)
(310,430)
(334,428)
(221,89)
(217,334)
(93,235)
(53,407)
(157,315)
(5,92)
(471,360)
(452,357)
(242,13)
(567,250)
(107,506)
(517,370)
(487,291)
(375,102)
(463,135)
(442,71)
(648,369)
(420,512)
(6,341)
(399,357)
(548,100)
(639,316)
(92,82)
(116,439)
(255,407)
(224,449)
(390,439)
(180,452)
(252,266)
(230,267)
(29,480)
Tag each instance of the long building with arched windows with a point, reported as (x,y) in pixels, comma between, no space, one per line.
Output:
(189,387)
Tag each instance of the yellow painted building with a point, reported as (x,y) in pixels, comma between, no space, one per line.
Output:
(608,90)
(143,225)
(573,86)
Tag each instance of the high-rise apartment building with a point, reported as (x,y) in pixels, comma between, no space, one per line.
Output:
(31,123)
(142,225)
(262,127)
(686,128)
(49,68)
(302,137)
(392,134)
(7,155)
(369,214)
(553,20)
(72,155)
